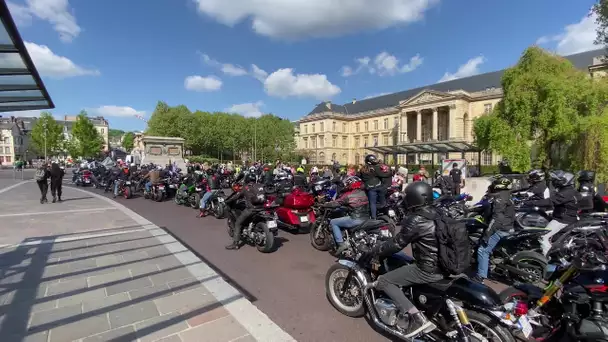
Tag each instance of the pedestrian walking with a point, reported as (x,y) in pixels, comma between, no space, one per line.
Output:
(56,182)
(41,176)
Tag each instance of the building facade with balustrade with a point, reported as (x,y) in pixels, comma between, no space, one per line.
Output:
(416,126)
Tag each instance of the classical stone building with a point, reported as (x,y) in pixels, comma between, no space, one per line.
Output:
(422,125)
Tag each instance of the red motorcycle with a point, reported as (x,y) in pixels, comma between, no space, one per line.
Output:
(295,212)
(84,178)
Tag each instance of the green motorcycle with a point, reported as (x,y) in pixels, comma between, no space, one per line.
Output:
(188,193)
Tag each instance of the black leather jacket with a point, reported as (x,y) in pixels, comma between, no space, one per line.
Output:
(503,210)
(540,191)
(418,229)
(566,203)
(253,194)
(587,192)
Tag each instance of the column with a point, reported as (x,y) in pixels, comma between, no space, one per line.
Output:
(451,121)
(404,128)
(419,125)
(434,128)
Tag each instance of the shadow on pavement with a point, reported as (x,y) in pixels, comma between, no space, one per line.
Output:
(69,289)
(77,198)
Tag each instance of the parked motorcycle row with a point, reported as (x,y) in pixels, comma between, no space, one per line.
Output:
(559,297)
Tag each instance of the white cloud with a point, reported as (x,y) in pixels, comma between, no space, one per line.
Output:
(116,111)
(52,65)
(470,68)
(383,64)
(233,70)
(258,73)
(283,83)
(247,109)
(56,12)
(315,18)
(574,38)
(202,84)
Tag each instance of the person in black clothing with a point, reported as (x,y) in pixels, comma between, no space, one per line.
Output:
(377,179)
(56,181)
(591,201)
(418,229)
(254,196)
(42,176)
(502,211)
(456,175)
(299,179)
(540,194)
(566,201)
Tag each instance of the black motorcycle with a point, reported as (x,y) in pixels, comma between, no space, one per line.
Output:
(261,230)
(573,307)
(322,236)
(216,204)
(462,310)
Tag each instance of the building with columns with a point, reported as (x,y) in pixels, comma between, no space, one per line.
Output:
(421,125)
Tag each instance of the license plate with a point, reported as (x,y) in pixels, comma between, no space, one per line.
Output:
(198,189)
(220,199)
(385,233)
(526,327)
(172,186)
(271,224)
(128,183)
(87,181)
(391,213)
(318,188)
(161,187)
(303,218)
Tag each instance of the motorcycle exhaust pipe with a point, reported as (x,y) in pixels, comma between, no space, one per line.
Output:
(513,269)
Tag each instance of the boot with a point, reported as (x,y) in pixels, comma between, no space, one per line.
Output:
(202,213)
(233,246)
(41,200)
(54,199)
(418,325)
(342,247)
(59,199)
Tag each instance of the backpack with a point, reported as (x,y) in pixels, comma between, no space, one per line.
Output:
(454,250)
(39,175)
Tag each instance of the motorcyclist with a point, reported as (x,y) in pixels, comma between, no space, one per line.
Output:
(502,218)
(591,201)
(211,185)
(254,196)
(539,193)
(445,184)
(123,174)
(566,201)
(356,202)
(153,177)
(377,179)
(418,229)
(299,179)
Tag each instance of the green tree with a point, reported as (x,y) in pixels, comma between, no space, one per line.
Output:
(86,141)
(601,10)
(47,135)
(127,141)
(546,103)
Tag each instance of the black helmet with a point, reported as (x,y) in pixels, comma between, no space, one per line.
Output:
(418,194)
(371,159)
(500,182)
(536,176)
(561,179)
(250,178)
(586,176)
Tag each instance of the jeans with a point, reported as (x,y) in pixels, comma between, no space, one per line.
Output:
(484,252)
(116,187)
(554,226)
(205,198)
(408,275)
(343,222)
(148,185)
(372,196)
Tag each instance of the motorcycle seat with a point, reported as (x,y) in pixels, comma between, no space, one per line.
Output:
(443,284)
(370,224)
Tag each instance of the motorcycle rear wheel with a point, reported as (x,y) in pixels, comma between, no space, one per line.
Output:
(323,241)
(195,201)
(220,209)
(268,245)
(126,191)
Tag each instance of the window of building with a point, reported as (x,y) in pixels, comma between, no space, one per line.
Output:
(344,127)
(1,159)
(357,127)
(487,157)
(305,129)
(5,140)
(344,142)
(305,143)
(357,142)
(8,159)
(103,131)
(334,157)
(313,128)
(333,126)
(321,142)
(385,140)
(334,141)
(395,121)
(366,126)
(7,150)
(313,142)
(385,123)
(322,158)
(357,159)
(321,127)
(375,141)
(375,125)
(344,158)
(365,141)
(487,108)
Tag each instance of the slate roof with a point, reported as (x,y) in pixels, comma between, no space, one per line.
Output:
(470,84)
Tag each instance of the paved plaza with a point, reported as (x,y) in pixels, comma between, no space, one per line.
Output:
(89,269)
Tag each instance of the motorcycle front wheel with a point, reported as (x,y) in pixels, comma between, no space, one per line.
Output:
(195,201)
(220,209)
(320,239)
(350,303)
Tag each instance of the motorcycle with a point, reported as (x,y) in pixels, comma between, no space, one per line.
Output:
(295,211)
(83,178)
(125,188)
(158,192)
(461,309)
(573,306)
(322,236)
(188,193)
(216,204)
(324,191)
(259,231)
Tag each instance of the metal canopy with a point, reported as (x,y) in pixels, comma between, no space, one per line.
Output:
(21,87)
(427,147)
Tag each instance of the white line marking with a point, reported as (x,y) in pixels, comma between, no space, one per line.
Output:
(12,186)
(59,212)
(259,325)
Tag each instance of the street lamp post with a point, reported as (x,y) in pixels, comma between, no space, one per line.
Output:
(44,125)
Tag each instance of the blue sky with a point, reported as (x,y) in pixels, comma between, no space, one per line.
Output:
(117,58)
